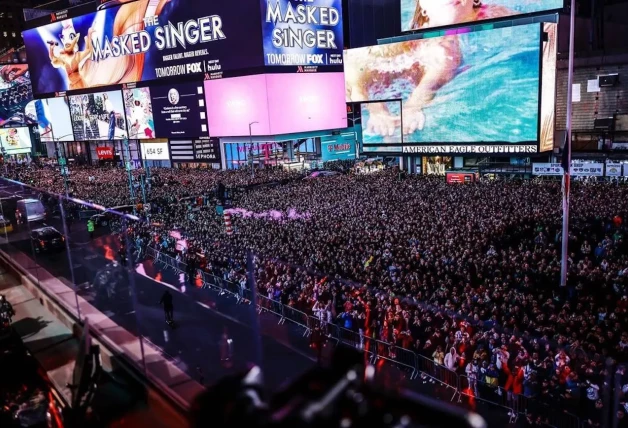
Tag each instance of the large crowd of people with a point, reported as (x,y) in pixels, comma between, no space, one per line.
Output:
(465,276)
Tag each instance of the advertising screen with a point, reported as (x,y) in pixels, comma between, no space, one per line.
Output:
(275,104)
(548,88)
(15,94)
(98,116)
(145,40)
(424,14)
(480,87)
(53,119)
(339,147)
(14,141)
(179,110)
(155,150)
(298,33)
(381,133)
(139,113)
(233,104)
(207,150)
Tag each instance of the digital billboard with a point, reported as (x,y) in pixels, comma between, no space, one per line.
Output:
(144,40)
(53,119)
(14,141)
(155,150)
(298,33)
(179,110)
(548,88)
(98,116)
(383,130)
(139,113)
(471,92)
(424,14)
(15,94)
(338,147)
(275,104)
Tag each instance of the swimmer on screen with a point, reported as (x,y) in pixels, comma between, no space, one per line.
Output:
(438,13)
(426,64)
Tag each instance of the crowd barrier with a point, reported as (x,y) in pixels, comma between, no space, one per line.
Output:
(415,365)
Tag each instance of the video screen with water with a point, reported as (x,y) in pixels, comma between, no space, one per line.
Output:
(423,14)
(480,87)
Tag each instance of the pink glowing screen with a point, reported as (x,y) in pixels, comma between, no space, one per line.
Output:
(280,103)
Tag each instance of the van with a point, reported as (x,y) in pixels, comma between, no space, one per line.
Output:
(31,209)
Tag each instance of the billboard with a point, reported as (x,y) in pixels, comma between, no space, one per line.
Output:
(53,119)
(105,153)
(459,92)
(547,169)
(14,141)
(298,33)
(179,110)
(144,40)
(428,14)
(139,113)
(338,147)
(591,169)
(613,169)
(380,132)
(155,150)
(98,116)
(15,94)
(207,150)
(275,104)
(548,88)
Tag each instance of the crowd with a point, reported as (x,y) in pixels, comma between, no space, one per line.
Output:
(466,276)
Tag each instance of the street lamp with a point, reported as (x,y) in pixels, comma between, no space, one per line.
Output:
(62,161)
(251,151)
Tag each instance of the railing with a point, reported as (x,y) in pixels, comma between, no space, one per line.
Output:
(516,405)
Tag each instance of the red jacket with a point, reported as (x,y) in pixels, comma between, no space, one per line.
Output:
(515,380)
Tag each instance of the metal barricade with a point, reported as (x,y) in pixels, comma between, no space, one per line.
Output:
(406,358)
(295,316)
(492,394)
(326,328)
(264,304)
(524,406)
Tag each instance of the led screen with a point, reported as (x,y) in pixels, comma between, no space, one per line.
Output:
(139,113)
(179,110)
(53,119)
(278,103)
(145,40)
(14,141)
(479,87)
(233,104)
(155,150)
(298,33)
(423,14)
(15,94)
(548,89)
(98,116)
(338,147)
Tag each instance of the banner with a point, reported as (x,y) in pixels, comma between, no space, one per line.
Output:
(144,40)
(306,34)
(547,169)
(613,169)
(155,151)
(104,152)
(587,169)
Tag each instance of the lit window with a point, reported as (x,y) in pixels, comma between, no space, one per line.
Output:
(4,33)
(13,34)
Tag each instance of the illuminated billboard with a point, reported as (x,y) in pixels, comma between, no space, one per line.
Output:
(53,119)
(548,89)
(298,33)
(144,40)
(98,116)
(179,110)
(275,104)
(15,94)
(428,14)
(471,92)
(139,113)
(155,150)
(15,141)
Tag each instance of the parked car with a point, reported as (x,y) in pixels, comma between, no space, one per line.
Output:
(47,239)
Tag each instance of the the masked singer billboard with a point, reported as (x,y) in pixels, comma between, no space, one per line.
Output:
(145,40)
(302,33)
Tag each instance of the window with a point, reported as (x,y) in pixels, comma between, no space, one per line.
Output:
(13,34)
(4,33)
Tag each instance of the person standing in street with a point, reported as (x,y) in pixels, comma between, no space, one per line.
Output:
(166,301)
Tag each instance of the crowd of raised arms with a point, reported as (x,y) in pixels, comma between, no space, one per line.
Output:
(465,275)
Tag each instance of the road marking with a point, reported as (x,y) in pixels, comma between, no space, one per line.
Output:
(77,266)
(92,257)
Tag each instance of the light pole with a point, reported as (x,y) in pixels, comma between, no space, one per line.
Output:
(62,161)
(251,151)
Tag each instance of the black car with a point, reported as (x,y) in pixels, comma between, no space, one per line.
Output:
(47,239)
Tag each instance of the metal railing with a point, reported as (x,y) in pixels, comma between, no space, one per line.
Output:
(415,365)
